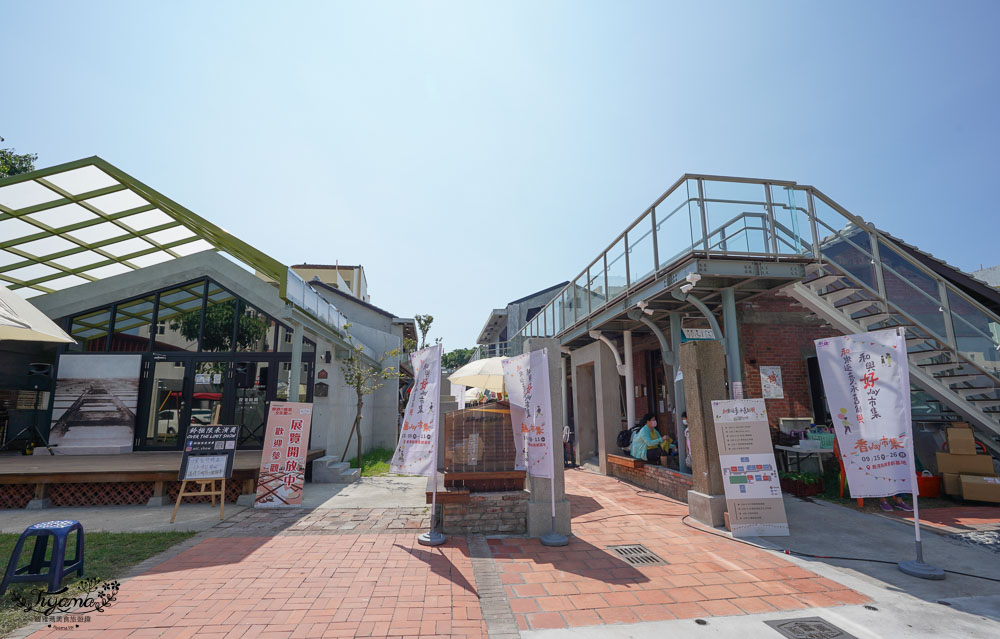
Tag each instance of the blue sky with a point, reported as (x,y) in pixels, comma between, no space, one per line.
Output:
(470,153)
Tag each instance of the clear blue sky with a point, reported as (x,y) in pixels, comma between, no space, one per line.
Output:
(470,153)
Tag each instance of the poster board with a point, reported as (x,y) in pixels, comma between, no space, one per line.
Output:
(770,382)
(94,404)
(749,471)
(283,462)
(209,452)
(867,382)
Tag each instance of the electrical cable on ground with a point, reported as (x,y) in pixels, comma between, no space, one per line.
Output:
(784,551)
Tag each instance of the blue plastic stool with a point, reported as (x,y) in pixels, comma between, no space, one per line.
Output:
(58,568)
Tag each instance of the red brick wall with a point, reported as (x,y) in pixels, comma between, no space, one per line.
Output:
(777,331)
(659,479)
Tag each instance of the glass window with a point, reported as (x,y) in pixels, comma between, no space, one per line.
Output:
(90,330)
(179,316)
(132,322)
(220,327)
(912,290)
(254,330)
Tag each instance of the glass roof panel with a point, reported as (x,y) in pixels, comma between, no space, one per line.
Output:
(62,216)
(28,293)
(24,194)
(82,180)
(107,271)
(78,260)
(151,258)
(9,258)
(117,202)
(167,236)
(65,282)
(147,220)
(47,246)
(98,232)
(127,247)
(31,272)
(15,228)
(192,247)
(88,332)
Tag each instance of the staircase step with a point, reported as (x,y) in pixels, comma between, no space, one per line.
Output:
(919,356)
(957,379)
(338,467)
(871,318)
(914,340)
(839,294)
(822,281)
(855,306)
(986,402)
(974,390)
(944,366)
(350,476)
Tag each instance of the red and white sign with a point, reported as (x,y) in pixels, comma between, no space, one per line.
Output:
(526,378)
(416,451)
(283,463)
(867,383)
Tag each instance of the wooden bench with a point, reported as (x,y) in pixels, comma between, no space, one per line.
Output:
(446,495)
(627,462)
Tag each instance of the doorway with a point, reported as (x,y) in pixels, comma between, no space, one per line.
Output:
(586,412)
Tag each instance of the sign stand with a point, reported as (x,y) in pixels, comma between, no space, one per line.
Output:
(202,492)
(552,538)
(433,537)
(917,567)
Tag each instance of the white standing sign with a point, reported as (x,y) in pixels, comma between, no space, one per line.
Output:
(527,381)
(867,383)
(416,452)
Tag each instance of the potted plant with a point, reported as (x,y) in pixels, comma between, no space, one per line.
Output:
(801,484)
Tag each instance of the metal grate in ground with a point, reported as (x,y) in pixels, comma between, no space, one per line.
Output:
(637,555)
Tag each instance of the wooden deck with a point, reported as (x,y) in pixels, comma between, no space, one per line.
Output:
(42,468)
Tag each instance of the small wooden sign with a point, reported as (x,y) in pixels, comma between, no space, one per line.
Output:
(209,452)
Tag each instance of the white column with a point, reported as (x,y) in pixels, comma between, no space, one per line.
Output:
(629,381)
(295,373)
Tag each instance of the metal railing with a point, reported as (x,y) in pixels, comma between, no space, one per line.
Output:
(710,216)
(499,349)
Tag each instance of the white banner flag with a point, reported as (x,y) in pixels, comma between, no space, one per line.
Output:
(867,383)
(527,381)
(416,452)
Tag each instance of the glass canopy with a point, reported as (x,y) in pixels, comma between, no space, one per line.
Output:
(86,220)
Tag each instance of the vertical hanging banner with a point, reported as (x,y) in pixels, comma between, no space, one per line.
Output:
(749,472)
(527,380)
(283,463)
(867,382)
(416,451)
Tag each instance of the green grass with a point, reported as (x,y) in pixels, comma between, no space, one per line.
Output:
(106,556)
(375,462)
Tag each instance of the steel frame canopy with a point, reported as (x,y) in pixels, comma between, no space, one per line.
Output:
(87,220)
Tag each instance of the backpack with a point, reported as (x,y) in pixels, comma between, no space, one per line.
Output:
(625,436)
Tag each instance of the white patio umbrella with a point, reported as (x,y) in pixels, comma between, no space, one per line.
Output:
(21,321)
(482,373)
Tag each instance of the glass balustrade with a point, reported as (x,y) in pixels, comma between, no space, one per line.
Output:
(641,256)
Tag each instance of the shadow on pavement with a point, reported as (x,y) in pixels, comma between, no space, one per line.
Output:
(442,566)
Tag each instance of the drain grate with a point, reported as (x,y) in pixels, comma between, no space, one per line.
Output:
(808,628)
(637,555)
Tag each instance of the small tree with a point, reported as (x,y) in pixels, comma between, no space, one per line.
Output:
(12,163)
(365,378)
(424,326)
(456,358)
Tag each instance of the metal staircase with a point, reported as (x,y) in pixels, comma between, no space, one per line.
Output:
(938,363)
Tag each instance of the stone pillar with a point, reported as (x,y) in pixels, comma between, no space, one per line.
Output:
(295,373)
(703,364)
(540,488)
(630,416)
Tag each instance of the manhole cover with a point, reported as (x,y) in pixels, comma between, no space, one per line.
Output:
(637,555)
(809,628)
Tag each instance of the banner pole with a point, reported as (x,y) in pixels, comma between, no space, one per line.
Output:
(916,568)
(433,537)
(553,538)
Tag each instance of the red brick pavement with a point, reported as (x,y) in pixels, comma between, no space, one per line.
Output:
(583,584)
(291,586)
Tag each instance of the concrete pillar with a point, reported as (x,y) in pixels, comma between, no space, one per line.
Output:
(704,377)
(540,500)
(629,381)
(295,374)
(733,367)
(678,393)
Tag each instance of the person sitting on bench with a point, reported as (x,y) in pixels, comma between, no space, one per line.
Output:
(645,444)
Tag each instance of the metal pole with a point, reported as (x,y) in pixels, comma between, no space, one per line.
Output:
(629,381)
(553,538)
(433,537)
(732,340)
(679,403)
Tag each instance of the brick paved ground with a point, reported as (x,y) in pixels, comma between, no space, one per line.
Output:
(583,584)
(361,573)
